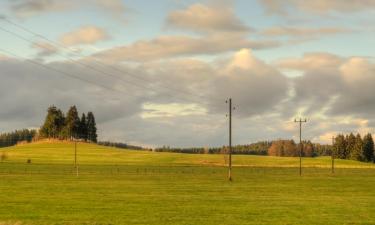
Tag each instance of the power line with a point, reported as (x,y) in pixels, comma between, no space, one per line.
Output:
(102,72)
(54,43)
(64,73)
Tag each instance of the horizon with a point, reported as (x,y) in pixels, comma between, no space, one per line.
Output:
(159,74)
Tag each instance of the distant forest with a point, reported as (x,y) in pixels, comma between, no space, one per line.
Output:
(345,147)
(122,145)
(12,138)
(272,148)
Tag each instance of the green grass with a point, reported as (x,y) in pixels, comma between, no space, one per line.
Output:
(132,187)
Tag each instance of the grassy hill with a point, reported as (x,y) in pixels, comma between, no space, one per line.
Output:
(132,187)
(91,154)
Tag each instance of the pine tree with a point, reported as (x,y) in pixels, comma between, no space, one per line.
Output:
(350,143)
(53,124)
(357,151)
(83,127)
(368,148)
(340,146)
(91,128)
(72,123)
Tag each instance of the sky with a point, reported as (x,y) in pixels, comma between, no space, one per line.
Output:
(159,72)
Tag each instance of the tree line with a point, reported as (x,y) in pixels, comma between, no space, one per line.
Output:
(122,145)
(289,148)
(354,147)
(258,148)
(12,138)
(57,125)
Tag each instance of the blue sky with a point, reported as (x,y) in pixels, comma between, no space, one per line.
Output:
(277,59)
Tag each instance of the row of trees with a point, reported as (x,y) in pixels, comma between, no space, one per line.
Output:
(258,148)
(122,145)
(291,149)
(69,126)
(12,138)
(354,147)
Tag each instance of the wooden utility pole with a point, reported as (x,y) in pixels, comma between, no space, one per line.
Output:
(300,121)
(75,157)
(333,154)
(230,141)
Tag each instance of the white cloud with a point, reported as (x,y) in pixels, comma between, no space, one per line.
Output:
(302,31)
(284,7)
(311,61)
(255,86)
(44,49)
(28,8)
(151,110)
(171,46)
(83,36)
(206,18)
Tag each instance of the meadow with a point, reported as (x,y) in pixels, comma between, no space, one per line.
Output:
(134,187)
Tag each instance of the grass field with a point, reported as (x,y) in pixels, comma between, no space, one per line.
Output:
(133,187)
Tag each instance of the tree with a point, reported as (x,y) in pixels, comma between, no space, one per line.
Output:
(350,144)
(308,149)
(283,148)
(357,151)
(368,148)
(91,128)
(53,123)
(72,123)
(83,129)
(340,146)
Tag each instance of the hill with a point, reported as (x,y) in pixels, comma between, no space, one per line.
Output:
(56,152)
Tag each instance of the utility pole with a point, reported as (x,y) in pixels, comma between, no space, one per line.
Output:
(75,157)
(333,154)
(230,141)
(300,121)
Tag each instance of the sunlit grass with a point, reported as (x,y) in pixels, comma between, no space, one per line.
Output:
(132,187)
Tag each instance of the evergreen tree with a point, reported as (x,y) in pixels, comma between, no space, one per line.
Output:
(53,124)
(350,144)
(83,128)
(91,128)
(357,151)
(9,139)
(72,123)
(340,146)
(368,148)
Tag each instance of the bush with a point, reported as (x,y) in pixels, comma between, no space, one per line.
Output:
(3,156)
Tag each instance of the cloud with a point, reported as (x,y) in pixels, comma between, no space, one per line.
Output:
(254,86)
(285,7)
(219,31)
(333,86)
(115,8)
(182,104)
(83,36)
(152,110)
(311,61)
(44,49)
(172,46)
(28,8)
(203,18)
(301,32)
(3,57)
